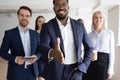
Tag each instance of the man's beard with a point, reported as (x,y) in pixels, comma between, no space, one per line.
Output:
(62,17)
(23,24)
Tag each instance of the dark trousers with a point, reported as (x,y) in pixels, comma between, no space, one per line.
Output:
(98,69)
(70,74)
(26,74)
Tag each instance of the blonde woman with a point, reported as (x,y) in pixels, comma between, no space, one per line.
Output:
(103,42)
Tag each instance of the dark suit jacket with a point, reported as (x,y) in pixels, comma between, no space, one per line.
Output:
(12,41)
(50,31)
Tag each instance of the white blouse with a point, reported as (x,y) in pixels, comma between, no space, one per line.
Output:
(104,42)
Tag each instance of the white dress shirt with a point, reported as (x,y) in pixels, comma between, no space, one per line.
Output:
(104,42)
(68,41)
(25,37)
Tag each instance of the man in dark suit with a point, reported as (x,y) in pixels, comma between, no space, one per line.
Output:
(23,44)
(61,40)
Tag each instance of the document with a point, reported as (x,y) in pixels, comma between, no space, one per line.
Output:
(30,57)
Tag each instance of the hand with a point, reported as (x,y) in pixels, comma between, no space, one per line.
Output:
(57,53)
(32,60)
(93,59)
(20,60)
(109,76)
(40,78)
(94,55)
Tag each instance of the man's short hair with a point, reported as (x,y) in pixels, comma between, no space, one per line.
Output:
(26,8)
(54,2)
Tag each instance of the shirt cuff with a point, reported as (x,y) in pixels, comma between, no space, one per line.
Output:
(16,60)
(50,58)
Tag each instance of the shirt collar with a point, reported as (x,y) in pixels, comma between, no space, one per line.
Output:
(20,29)
(59,23)
(93,30)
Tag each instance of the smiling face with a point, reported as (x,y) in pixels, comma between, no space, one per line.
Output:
(61,9)
(40,21)
(98,20)
(24,17)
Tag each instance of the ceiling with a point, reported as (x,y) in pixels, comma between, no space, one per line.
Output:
(6,5)
(46,5)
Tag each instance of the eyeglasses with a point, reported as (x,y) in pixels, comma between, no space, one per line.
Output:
(58,5)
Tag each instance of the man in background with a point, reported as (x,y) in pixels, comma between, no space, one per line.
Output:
(23,44)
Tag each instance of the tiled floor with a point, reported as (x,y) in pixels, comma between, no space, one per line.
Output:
(3,69)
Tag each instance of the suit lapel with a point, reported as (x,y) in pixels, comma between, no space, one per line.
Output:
(31,40)
(18,38)
(75,33)
(58,34)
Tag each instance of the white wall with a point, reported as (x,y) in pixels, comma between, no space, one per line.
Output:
(113,20)
(117,64)
(113,23)
(85,14)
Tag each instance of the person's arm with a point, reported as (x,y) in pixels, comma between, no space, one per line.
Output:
(4,50)
(45,43)
(56,53)
(87,52)
(47,48)
(111,56)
